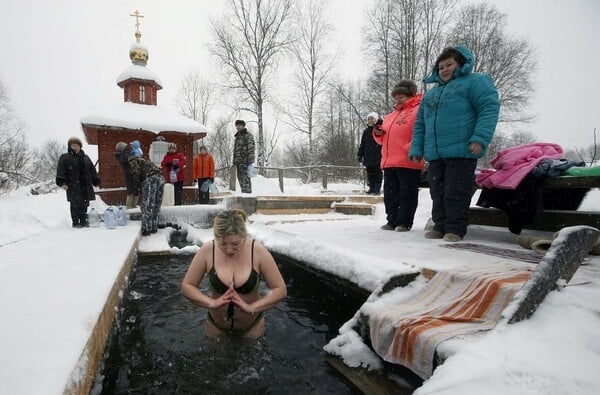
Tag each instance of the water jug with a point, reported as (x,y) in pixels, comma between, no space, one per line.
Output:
(110,219)
(173,176)
(93,218)
(121,216)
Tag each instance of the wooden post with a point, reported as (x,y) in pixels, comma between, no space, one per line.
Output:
(324,179)
(280,175)
(232,176)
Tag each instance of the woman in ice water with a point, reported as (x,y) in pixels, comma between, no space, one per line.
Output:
(234,264)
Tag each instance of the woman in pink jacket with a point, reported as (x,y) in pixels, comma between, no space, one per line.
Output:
(401,176)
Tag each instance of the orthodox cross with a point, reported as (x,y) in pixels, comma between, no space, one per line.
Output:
(137,17)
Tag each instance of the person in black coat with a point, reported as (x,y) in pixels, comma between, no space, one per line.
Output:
(76,174)
(369,154)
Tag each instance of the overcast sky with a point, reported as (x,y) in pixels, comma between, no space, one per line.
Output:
(59,60)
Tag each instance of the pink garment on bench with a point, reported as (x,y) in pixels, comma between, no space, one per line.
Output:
(514,164)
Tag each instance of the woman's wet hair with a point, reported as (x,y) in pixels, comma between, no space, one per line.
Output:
(230,222)
(448,53)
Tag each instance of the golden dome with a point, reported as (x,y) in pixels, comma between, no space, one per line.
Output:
(138,54)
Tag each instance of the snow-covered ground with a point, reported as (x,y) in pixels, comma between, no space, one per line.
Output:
(54,281)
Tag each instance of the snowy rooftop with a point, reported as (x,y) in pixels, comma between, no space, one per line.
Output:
(54,281)
(142,116)
(139,72)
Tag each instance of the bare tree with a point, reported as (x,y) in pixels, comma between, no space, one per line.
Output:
(46,162)
(589,154)
(220,143)
(271,148)
(196,97)
(315,62)
(247,42)
(401,38)
(510,61)
(15,158)
(378,47)
(435,18)
(342,120)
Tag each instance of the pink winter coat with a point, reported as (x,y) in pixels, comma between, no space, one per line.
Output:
(513,164)
(397,135)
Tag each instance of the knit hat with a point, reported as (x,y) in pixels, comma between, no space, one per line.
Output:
(405,87)
(121,146)
(374,115)
(240,122)
(74,140)
(172,145)
(202,148)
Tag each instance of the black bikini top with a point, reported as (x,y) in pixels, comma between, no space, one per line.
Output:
(250,285)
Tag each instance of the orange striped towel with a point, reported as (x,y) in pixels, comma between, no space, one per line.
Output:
(450,304)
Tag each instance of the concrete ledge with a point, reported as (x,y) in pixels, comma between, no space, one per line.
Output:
(93,353)
(354,208)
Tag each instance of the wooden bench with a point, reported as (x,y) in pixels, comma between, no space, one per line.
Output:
(550,220)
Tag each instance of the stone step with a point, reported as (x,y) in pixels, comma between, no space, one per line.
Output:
(296,204)
(354,208)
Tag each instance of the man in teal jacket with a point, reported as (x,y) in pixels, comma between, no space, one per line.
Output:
(455,124)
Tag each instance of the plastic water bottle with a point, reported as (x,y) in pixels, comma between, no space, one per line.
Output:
(93,218)
(121,216)
(109,218)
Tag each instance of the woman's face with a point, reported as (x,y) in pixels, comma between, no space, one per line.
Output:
(75,147)
(231,244)
(371,121)
(400,99)
(446,69)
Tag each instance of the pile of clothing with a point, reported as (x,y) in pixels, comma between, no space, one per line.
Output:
(516,184)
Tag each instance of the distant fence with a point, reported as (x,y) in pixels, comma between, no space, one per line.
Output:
(326,173)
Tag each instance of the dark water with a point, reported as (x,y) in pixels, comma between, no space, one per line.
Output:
(159,347)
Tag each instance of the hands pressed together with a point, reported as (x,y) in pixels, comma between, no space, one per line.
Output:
(232,296)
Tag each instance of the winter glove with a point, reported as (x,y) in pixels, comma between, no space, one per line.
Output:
(251,171)
(415,158)
(212,180)
(378,130)
(360,159)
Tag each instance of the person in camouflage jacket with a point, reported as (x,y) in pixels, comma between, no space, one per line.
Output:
(243,155)
(148,178)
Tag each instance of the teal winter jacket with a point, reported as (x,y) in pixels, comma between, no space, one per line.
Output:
(454,114)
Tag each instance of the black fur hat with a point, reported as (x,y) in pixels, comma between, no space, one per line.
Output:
(74,140)
(240,122)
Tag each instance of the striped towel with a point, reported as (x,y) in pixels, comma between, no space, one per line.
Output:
(450,304)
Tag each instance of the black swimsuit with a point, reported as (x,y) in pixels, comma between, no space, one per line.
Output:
(217,285)
(250,285)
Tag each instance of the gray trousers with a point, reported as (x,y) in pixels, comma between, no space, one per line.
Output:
(244,178)
(152,192)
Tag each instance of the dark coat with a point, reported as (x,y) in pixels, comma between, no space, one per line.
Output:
(243,148)
(141,169)
(78,172)
(369,151)
(123,158)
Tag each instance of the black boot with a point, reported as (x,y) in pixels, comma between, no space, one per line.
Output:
(83,221)
(375,189)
